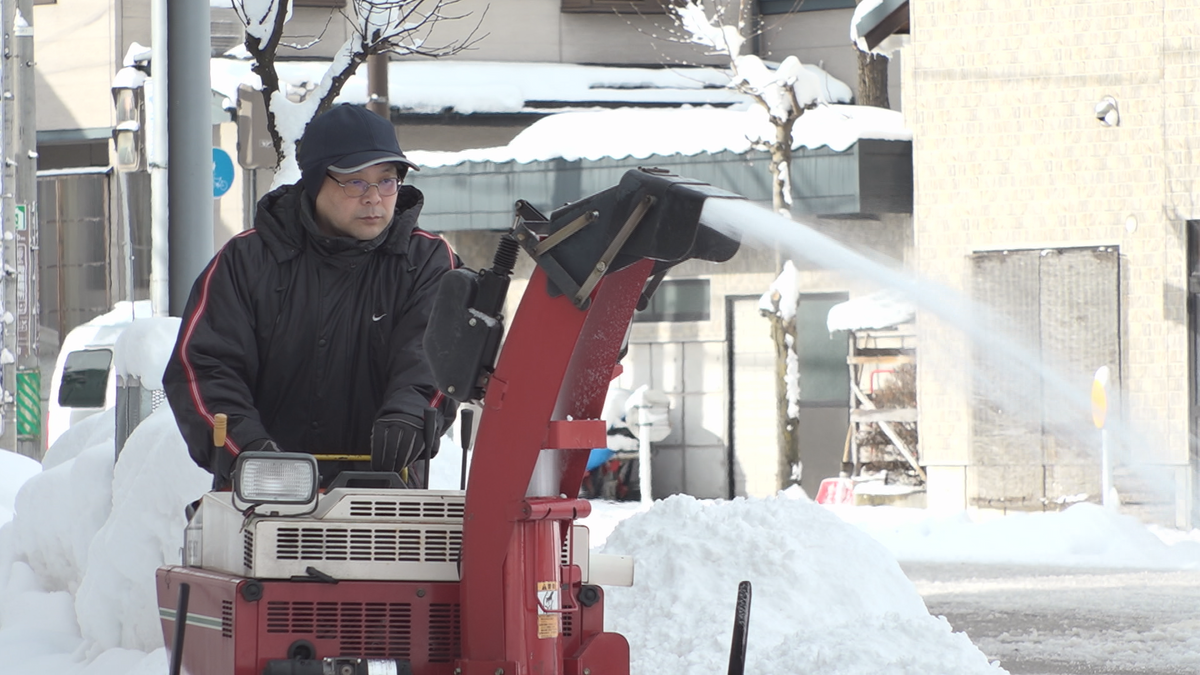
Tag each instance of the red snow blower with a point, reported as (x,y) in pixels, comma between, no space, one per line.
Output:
(366,577)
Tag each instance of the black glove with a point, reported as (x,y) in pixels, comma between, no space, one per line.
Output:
(398,440)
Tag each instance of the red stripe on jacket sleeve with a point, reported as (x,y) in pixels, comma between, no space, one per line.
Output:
(193,321)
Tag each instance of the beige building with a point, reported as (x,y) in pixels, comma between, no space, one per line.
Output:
(1056,186)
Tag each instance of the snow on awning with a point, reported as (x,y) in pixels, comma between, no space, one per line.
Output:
(882,309)
(640,133)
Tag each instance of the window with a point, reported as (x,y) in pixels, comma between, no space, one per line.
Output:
(85,379)
(787,6)
(821,355)
(618,6)
(677,300)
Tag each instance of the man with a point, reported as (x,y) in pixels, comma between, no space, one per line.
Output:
(306,330)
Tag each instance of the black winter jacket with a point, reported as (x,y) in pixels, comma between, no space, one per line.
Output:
(306,339)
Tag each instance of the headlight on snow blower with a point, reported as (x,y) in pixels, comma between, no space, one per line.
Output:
(275,478)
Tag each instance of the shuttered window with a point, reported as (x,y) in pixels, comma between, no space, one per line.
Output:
(1045,321)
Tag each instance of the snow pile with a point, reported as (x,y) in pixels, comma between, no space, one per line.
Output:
(154,480)
(59,509)
(143,349)
(14,471)
(819,587)
(74,559)
(1084,535)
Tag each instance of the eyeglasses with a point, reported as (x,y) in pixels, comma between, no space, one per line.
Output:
(357,188)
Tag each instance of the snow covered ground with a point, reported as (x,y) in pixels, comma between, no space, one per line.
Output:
(77,562)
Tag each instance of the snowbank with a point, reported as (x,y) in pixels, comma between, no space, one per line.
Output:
(14,471)
(819,587)
(1084,535)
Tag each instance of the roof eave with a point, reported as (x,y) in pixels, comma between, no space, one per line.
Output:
(889,18)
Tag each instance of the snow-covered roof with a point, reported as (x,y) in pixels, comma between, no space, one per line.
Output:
(469,87)
(882,309)
(644,132)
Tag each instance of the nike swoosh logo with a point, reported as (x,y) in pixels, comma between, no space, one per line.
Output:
(376,317)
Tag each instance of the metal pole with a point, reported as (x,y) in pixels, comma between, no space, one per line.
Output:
(22,403)
(29,371)
(189,105)
(1105,470)
(645,479)
(8,186)
(377,86)
(156,157)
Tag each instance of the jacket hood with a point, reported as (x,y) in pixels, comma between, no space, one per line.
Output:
(281,214)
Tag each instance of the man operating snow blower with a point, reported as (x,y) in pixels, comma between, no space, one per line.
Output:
(304,333)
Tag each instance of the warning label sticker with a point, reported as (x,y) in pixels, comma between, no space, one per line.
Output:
(548,599)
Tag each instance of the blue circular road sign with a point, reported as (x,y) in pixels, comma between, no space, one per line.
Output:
(222,172)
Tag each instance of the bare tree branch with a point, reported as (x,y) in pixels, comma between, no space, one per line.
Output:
(378,26)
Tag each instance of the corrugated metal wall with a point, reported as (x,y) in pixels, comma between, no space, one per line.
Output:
(81,229)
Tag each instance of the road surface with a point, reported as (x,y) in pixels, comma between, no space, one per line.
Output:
(1048,621)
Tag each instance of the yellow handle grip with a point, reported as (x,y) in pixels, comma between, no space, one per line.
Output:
(343,458)
(220,422)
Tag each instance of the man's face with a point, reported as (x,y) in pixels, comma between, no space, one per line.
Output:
(362,217)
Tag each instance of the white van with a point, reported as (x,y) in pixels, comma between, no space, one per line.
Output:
(84,381)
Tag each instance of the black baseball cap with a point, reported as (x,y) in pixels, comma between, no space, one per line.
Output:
(346,139)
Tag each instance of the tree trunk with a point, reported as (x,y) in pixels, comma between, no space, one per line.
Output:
(781,168)
(789,450)
(872,79)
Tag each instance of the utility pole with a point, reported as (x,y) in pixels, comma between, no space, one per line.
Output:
(189,146)
(156,158)
(21,419)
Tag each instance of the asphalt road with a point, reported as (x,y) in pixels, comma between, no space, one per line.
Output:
(1048,621)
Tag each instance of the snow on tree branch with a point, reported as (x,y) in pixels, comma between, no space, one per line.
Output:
(377,26)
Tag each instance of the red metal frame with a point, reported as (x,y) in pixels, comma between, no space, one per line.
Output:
(556,365)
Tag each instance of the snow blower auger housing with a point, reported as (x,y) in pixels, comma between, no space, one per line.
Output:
(369,578)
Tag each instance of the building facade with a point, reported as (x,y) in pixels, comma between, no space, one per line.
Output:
(1056,190)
